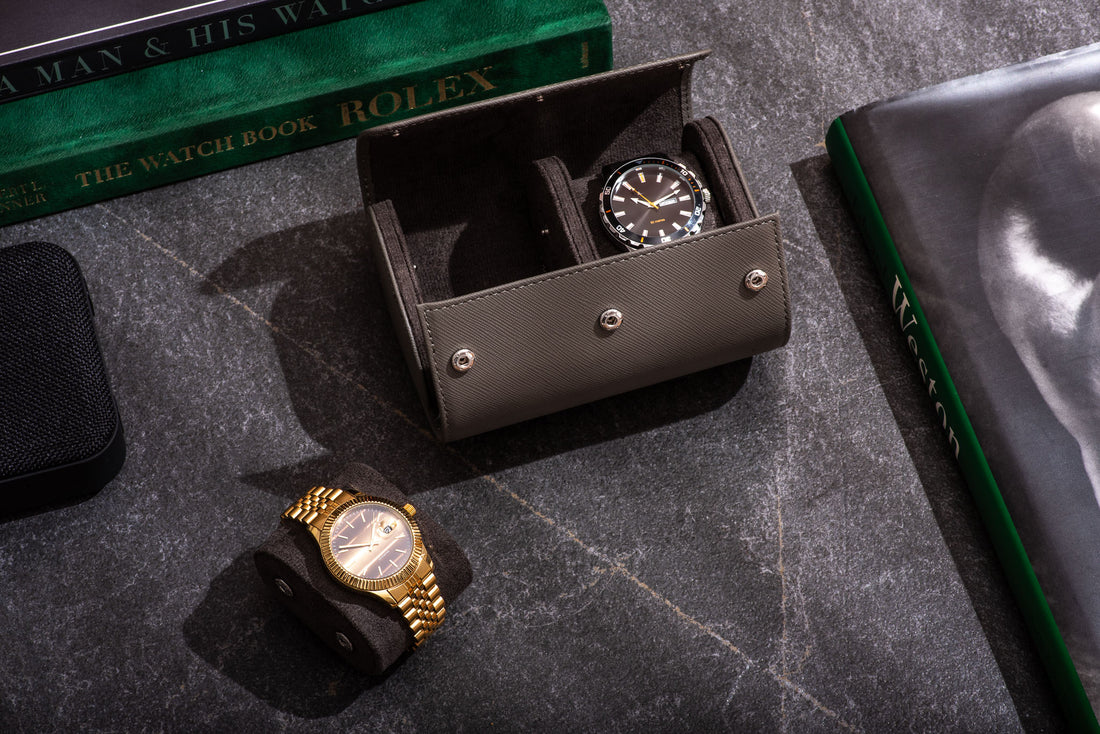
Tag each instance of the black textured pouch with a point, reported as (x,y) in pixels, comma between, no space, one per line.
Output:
(60,434)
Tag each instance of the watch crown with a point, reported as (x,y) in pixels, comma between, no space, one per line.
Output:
(706,196)
(410,510)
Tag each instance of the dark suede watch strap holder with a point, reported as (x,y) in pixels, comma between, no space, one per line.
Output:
(484,221)
(363,630)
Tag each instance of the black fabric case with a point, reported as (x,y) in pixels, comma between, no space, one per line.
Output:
(60,434)
(377,632)
(484,223)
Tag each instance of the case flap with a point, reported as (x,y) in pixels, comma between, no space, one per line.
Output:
(539,347)
(422,163)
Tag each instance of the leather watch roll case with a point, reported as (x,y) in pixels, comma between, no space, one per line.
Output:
(60,434)
(485,224)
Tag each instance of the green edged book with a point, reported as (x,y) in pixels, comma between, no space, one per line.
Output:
(980,202)
(51,44)
(174,121)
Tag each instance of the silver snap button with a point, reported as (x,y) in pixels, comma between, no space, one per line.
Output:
(343,641)
(756,280)
(284,587)
(463,360)
(611,319)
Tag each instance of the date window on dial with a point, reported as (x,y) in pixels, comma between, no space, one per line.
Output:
(388,527)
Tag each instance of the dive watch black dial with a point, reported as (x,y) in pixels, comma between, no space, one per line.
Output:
(652,200)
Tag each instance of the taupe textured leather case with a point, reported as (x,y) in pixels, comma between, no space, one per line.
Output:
(484,222)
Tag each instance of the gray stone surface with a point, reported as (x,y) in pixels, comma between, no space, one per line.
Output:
(781,545)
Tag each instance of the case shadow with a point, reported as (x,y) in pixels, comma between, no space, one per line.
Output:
(349,385)
(962,529)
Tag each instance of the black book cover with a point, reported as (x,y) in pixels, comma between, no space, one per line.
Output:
(989,190)
(51,44)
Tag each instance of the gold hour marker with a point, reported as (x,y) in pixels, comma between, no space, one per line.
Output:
(641,176)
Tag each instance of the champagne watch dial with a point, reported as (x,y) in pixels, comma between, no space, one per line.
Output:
(651,200)
(371,540)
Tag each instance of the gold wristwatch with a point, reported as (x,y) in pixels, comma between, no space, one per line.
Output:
(373,545)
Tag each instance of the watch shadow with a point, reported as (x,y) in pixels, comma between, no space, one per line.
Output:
(963,531)
(240,631)
(349,385)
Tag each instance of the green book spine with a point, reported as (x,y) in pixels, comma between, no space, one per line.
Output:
(207,113)
(959,432)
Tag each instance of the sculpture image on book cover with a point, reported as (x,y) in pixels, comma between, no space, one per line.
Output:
(980,201)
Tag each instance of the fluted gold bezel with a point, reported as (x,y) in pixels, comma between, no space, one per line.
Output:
(361,584)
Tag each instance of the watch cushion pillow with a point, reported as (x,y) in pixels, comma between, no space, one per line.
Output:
(374,633)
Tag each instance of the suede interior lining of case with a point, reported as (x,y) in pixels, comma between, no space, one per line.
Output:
(466,223)
(721,170)
(567,211)
(564,216)
(378,634)
(404,274)
(557,216)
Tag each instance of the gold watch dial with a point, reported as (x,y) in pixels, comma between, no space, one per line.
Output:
(371,540)
(371,544)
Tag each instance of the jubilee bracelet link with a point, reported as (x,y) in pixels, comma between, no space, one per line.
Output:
(423,608)
(314,507)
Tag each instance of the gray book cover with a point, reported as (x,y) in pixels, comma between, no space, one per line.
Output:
(989,188)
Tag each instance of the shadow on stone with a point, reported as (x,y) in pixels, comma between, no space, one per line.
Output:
(943,483)
(351,391)
(244,634)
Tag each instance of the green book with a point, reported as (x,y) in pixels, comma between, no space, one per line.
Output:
(206,113)
(979,200)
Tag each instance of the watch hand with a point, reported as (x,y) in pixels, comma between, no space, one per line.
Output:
(665,199)
(369,544)
(639,193)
